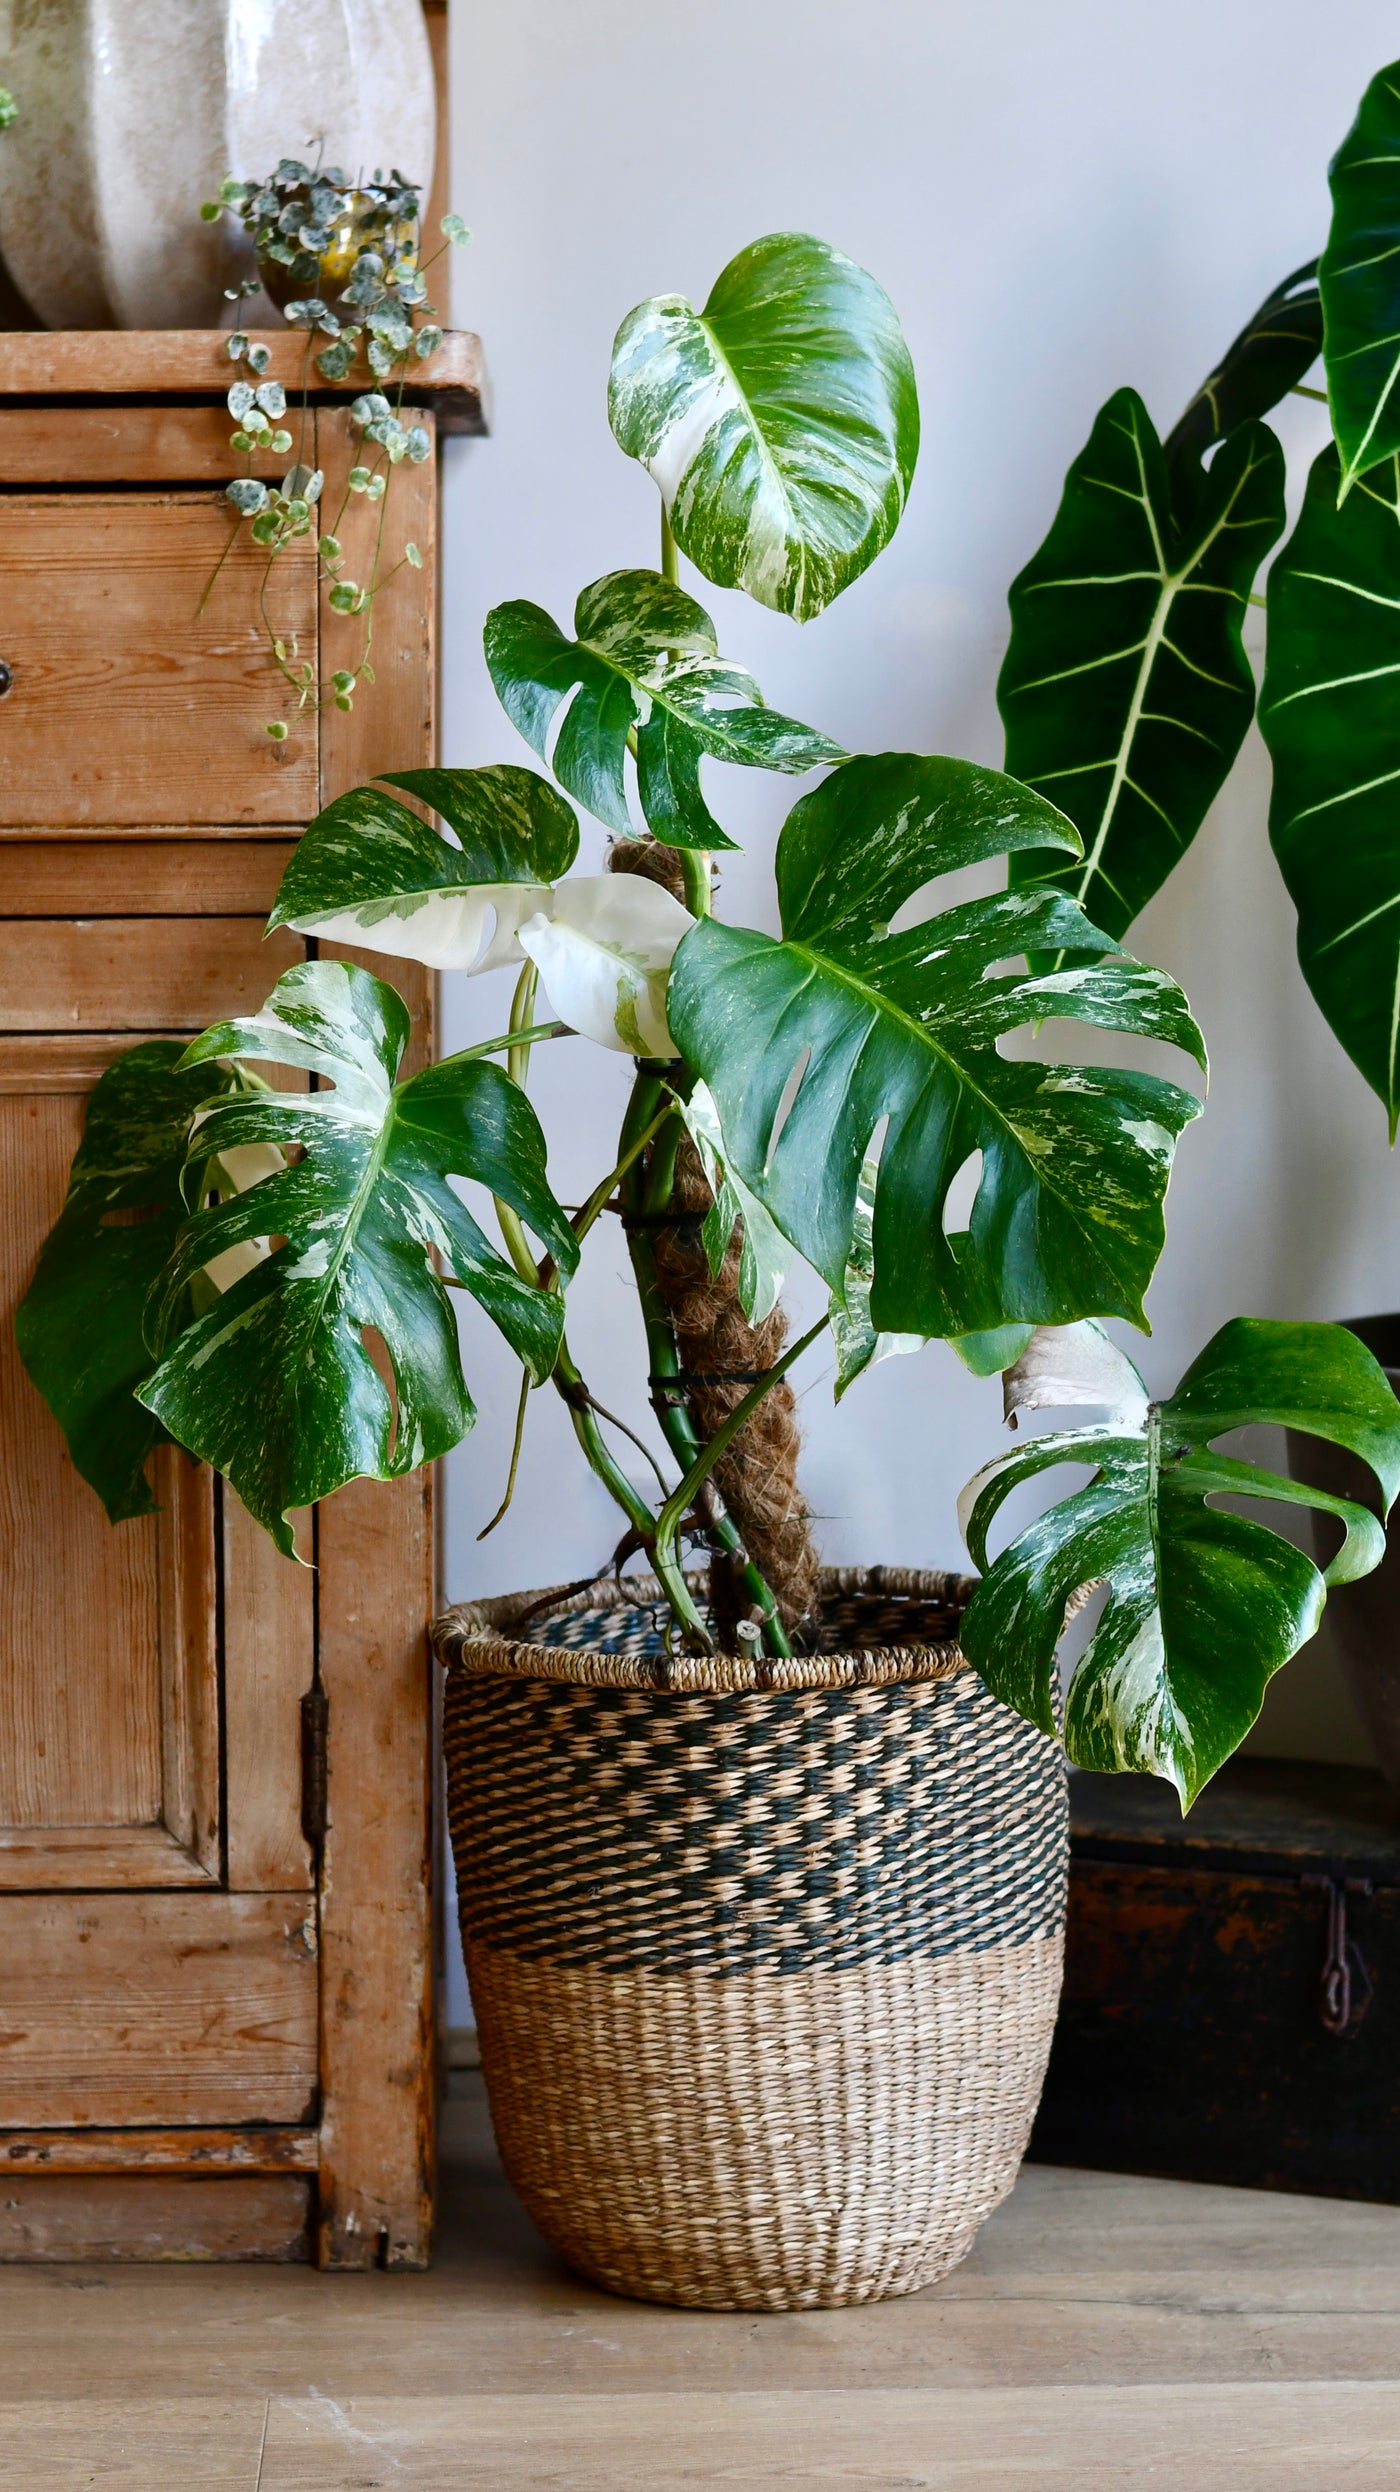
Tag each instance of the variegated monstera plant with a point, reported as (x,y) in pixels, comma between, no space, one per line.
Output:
(830,1081)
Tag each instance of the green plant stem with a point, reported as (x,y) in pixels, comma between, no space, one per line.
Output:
(504,1507)
(670,561)
(1300,390)
(678,1505)
(664,1366)
(522,1004)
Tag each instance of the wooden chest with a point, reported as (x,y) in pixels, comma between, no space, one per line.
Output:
(1232,1984)
(215,1766)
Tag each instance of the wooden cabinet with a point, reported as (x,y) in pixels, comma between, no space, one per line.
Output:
(215,1766)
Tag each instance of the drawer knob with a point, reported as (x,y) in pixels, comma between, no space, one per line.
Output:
(6,679)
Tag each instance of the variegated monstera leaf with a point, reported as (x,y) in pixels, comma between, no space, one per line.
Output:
(370,871)
(644,668)
(781,422)
(842,1042)
(79,1325)
(275,1385)
(1204,1604)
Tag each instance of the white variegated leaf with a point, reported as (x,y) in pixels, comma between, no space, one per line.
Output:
(1203,1604)
(604,954)
(857,1342)
(765,1256)
(1064,1364)
(781,423)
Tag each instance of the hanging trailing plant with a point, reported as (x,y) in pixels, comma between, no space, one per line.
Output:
(343,262)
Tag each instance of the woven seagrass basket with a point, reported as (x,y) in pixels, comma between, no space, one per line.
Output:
(765,1955)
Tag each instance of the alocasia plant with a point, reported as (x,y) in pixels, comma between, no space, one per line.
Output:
(815,1093)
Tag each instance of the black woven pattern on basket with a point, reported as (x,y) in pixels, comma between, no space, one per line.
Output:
(847,1621)
(816,1827)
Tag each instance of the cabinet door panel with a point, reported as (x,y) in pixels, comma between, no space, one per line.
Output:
(127,703)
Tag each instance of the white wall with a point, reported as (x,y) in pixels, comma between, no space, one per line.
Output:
(1061,196)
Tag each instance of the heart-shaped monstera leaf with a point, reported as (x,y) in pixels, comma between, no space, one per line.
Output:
(843,1042)
(781,422)
(370,871)
(275,1385)
(1329,716)
(1269,357)
(1204,1604)
(79,1327)
(1359,274)
(1126,691)
(646,665)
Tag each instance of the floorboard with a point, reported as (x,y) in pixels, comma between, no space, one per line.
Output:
(1106,2334)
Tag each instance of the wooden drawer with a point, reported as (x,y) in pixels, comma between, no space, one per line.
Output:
(137,973)
(126,703)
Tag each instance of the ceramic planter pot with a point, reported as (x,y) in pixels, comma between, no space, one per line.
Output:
(133,111)
(765,1955)
(1363,1618)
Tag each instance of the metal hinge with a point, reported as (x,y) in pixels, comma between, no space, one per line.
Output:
(315,1720)
(1345,1986)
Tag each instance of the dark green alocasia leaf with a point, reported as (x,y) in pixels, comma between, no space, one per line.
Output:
(781,423)
(1330,716)
(1204,1604)
(1359,275)
(1126,691)
(899,1032)
(645,661)
(369,870)
(275,1385)
(79,1325)
(1269,358)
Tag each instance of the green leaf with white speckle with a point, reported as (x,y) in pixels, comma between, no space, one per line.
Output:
(1204,1603)
(275,1386)
(646,665)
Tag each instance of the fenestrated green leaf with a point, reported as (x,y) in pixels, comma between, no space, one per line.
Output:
(1359,275)
(1269,357)
(1204,1605)
(370,867)
(781,422)
(1126,691)
(79,1324)
(900,1032)
(1330,716)
(275,1385)
(646,661)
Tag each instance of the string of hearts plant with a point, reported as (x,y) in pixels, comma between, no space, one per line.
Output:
(812,1093)
(343,261)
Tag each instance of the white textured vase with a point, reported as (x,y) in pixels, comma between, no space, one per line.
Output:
(132,111)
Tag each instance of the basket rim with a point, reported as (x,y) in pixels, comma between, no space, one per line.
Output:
(479,1639)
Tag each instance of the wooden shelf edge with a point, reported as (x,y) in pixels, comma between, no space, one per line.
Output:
(157,2150)
(193,363)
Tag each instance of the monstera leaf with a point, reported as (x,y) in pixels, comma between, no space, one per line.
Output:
(1126,691)
(1260,366)
(781,422)
(1203,1604)
(79,1324)
(1359,274)
(275,1385)
(843,1042)
(646,665)
(1329,717)
(370,871)
(764,1253)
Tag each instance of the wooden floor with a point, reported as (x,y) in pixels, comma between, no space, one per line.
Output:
(1105,2335)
